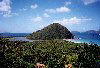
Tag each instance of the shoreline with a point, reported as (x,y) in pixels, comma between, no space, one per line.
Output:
(88,41)
(83,41)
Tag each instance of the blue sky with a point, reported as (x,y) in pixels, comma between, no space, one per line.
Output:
(27,16)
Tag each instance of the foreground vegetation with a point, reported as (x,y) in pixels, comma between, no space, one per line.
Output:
(52,53)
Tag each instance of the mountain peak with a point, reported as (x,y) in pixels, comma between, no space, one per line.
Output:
(52,31)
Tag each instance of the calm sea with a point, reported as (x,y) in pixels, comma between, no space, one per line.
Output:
(92,38)
(13,34)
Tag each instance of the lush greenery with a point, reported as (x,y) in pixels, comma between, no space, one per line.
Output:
(52,53)
(53,31)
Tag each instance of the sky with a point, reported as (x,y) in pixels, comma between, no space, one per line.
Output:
(27,16)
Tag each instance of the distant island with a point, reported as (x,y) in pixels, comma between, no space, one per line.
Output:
(51,32)
(93,31)
(88,32)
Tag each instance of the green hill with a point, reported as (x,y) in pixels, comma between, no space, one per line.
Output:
(52,31)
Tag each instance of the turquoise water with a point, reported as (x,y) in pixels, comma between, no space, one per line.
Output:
(86,38)
(91,41)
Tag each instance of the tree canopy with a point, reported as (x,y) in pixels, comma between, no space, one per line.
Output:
(52,53)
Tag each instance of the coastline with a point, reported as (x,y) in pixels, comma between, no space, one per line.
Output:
(88,41)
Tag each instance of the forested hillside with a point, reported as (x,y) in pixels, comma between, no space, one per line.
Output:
(52,31)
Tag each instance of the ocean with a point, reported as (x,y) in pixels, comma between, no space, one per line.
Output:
(92,38)
(14,34)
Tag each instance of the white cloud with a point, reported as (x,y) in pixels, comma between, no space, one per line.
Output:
(10,15)
(67,3)
(86,2)
(24,9)
(5,7)
(7,15)
(58,10)
(46,15)
(34,6)
(73,20)
(37,20)
(62,9)
(15,14)
(50,10)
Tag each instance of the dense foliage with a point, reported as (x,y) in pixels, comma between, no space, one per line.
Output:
(52,53)
(53,31)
